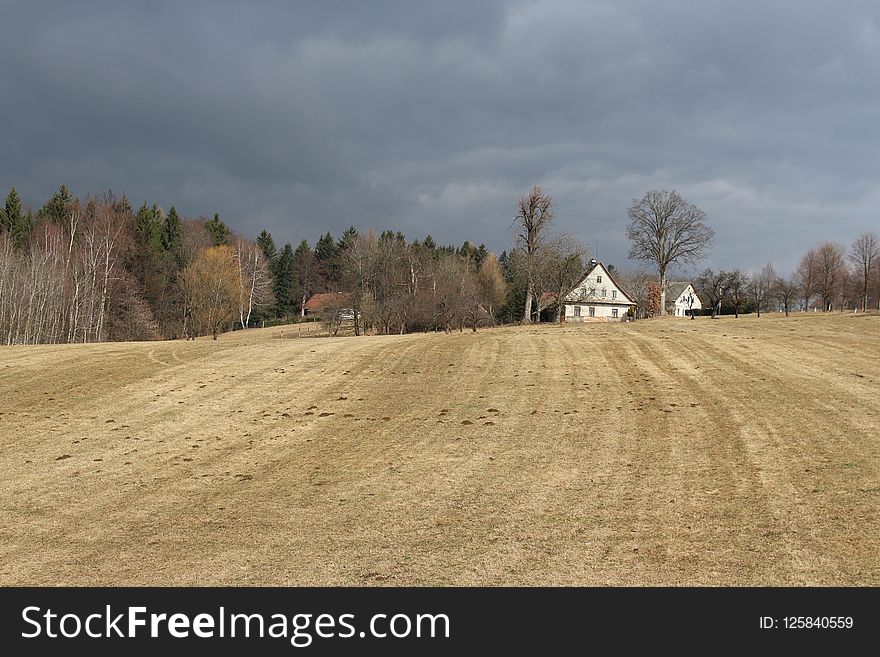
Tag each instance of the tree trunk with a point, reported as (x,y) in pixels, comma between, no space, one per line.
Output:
(527,315)
(662,292)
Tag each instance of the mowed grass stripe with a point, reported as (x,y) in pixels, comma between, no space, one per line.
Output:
(536,455)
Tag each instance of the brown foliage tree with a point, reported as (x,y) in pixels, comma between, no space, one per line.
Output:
(211,288)
(655,298)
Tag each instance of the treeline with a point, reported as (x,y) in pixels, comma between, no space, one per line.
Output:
(97,269)
(828,277)
(387,284)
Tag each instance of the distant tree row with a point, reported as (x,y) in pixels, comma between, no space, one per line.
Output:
(389,285)
(828,277)
(94,270)
(97,269)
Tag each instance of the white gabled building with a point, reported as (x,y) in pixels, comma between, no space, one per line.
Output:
(681,299)
(597,297)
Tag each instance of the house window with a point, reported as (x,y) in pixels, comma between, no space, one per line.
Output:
(613,294)
(592,291)
(577,311)
(592,312)
(598,279)
(614,312)
(604,292)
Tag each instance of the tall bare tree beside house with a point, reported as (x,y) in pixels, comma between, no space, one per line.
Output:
(666,229)
(534,212)
(864,254)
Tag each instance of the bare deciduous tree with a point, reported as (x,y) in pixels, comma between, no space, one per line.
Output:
(806,276)
(786,290)
(534,212)
(713,286)
(761,286)
(560,266)
(830,263)
(60,287)
(635,283)
(666,229)
(864,256)
(737,288)
(254,280)
(847,288)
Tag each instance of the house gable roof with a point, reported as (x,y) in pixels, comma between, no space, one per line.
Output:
(674,290)
(319,302)
(582,282)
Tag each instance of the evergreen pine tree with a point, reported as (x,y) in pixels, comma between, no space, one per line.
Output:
(267,244)
(304,277)
(172,235)
(218,231)
(123,206)
(327,254)
(148,230)
(480,255)
(15,222)
(282,284)
(55,207)
(9,214)
(325,247)
(348,238)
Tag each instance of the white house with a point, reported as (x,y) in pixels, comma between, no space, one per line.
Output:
(597,297)
(681,299)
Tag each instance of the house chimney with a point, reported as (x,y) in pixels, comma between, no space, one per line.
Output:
(593,262)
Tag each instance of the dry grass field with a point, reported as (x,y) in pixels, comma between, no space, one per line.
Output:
(733,452)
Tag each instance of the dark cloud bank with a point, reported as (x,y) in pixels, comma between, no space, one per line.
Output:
(306,117)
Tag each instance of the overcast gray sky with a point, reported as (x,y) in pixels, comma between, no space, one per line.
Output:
(303,117)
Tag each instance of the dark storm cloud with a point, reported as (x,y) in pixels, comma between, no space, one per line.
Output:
(304,117)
